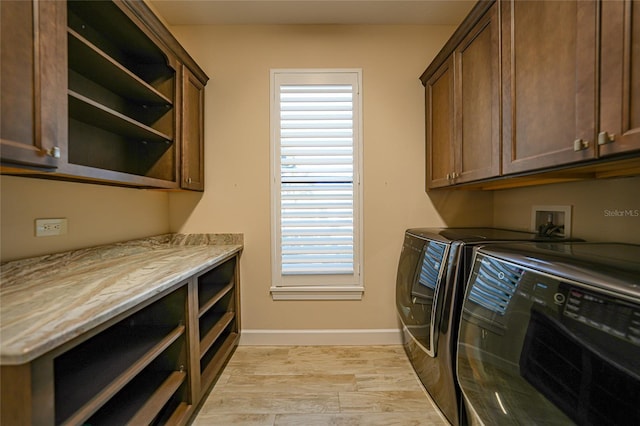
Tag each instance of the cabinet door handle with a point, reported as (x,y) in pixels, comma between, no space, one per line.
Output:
(188,180)
(605,138)
(580,145)
(54,152)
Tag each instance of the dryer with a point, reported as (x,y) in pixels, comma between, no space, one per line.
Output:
(551,335)
(433,267)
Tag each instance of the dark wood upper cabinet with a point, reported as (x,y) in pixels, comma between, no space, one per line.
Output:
(440,130)
(549,52)
(102,93)
(192,132)
(467,84)
(32,83)
(477,95)
(536,92)
(620,78)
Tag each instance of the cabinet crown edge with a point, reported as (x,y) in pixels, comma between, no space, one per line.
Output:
(460,33)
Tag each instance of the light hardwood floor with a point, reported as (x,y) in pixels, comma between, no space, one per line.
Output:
(318,385)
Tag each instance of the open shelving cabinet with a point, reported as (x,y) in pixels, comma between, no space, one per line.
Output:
(130,372)
(122,90)
(101,92)
(152,364)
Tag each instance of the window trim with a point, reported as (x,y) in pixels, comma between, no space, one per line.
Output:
(315,287)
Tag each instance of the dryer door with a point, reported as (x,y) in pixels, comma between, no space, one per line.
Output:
(420,272)
(534,349)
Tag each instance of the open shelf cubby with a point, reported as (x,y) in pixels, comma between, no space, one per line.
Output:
(133,355)
(122,93)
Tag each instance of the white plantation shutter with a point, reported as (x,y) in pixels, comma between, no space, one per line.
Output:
(316,193)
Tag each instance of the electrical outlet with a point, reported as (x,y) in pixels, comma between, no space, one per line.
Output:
(551,220)
(51,227)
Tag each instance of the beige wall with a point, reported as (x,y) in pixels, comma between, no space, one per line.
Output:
(237,198)
(594,204)
(96,215)
(238,60)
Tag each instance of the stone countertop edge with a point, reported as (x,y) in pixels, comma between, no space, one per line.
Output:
(47,301)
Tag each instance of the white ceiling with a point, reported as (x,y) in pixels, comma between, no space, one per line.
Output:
(211,12)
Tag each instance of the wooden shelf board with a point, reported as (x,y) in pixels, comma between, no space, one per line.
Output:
(90,61)
(152,407)
(141,401)
(213,300)
(84,390)
(180,414)
(212,335)
(88,111)
(80,172)
(217,362)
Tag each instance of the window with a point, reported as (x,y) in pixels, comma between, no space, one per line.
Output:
(316,192)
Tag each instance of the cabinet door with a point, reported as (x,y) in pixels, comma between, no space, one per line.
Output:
(549,83)
(192,132)
(477,102)
(440,119)
(33,82)
(620,77)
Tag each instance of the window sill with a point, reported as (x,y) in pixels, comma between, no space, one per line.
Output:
(317,293)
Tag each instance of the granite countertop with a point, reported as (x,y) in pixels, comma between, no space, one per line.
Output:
(47,301)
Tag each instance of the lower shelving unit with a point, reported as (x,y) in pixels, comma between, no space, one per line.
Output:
(151,365)
(124,366)
(92,374)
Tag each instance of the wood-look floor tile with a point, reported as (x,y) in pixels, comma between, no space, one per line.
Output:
(377,419)
(273,402)
(319,385)
(313,366)
(383,401)
(291,383)
(250,354)
(387,382)
(230,419)
(324,353)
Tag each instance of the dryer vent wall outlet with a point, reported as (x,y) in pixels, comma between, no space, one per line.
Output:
(551,220)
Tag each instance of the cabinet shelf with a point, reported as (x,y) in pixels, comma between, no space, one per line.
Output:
(178,416)
(211,368)
(90,374)
(89,61)
(93,113)
(212,300)
(141,401)
(214,332)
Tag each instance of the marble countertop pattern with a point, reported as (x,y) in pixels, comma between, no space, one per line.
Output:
(47,301)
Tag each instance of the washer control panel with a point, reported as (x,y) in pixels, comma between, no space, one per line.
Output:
(611,316)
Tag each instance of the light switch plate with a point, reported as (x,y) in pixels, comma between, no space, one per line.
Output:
(51,227)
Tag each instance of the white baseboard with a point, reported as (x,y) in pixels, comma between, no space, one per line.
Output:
(320,337)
